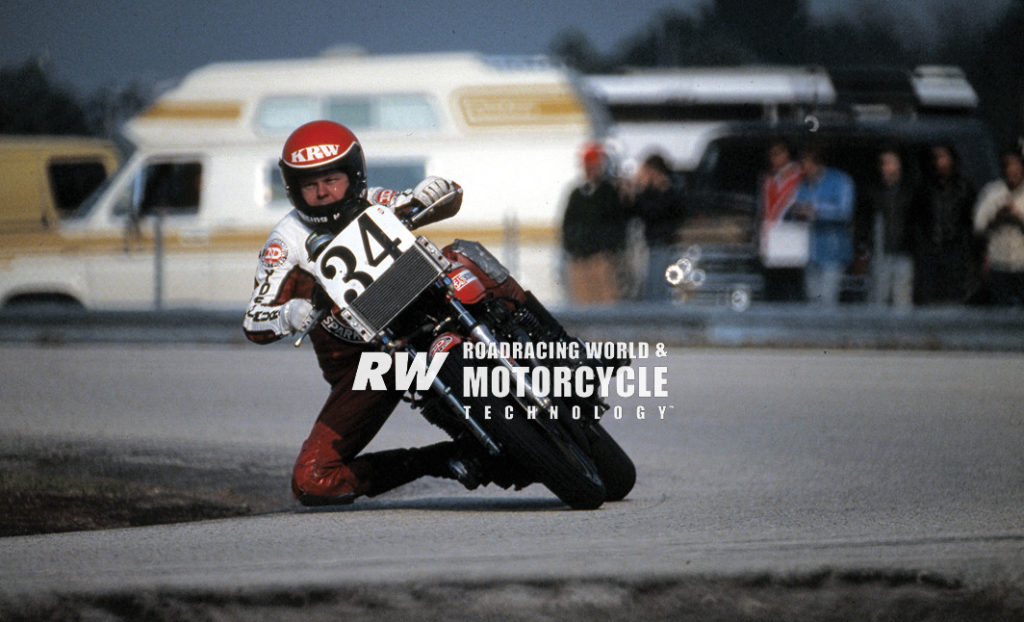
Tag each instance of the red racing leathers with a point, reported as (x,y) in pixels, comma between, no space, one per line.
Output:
(329,465)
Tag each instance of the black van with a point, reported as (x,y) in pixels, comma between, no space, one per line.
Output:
(722,191)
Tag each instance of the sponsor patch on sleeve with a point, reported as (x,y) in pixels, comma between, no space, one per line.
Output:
(274,253)
(384,197)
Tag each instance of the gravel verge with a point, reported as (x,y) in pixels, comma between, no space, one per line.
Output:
(53,486)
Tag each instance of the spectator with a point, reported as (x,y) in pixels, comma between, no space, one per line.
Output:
(659,206)
(825,199)
(999,218)
(783,265)
(942,225)
(887,208)
(594,232)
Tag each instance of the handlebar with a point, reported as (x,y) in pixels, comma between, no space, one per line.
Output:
(442,209)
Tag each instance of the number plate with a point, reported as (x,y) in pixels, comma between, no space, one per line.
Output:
(362,253)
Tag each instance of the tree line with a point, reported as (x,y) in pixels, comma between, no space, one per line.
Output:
(32,102)
(734,32)
(722,32)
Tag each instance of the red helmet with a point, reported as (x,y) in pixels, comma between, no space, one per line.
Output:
(593,154)
(319,147)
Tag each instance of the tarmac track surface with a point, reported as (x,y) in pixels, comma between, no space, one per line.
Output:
(789,465)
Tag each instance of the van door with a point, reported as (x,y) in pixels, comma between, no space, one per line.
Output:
(163,254)
(71,180)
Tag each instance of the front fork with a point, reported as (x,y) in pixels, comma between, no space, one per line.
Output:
(524,393)
(444,392)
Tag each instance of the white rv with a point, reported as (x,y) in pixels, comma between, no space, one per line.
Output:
(181,223)
(678,112)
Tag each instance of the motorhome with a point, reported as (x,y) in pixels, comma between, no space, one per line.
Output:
(714,125)
(182,221)
(678,112)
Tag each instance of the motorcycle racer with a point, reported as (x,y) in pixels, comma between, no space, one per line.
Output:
(324,173)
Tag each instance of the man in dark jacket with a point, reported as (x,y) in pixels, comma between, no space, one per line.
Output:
(943,226)
(658,204)
(594,232)
(884,231)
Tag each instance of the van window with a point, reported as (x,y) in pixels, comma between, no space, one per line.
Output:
(171,186)
(352,113)
(284,114)
(389,113)
(72,182)
(734,166)
(384,112)
(406,112)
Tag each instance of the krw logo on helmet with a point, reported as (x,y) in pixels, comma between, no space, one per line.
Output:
(315,153)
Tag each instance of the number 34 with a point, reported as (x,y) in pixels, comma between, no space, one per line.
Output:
(389,252)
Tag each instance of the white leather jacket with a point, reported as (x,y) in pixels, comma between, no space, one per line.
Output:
(284,272)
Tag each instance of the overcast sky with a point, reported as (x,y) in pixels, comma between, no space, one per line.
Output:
(93,43)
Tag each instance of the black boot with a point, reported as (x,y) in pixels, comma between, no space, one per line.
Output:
(313,501)
(396,467)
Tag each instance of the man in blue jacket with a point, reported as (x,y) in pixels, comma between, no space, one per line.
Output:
(825,198)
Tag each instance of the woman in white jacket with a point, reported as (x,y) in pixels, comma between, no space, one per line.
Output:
(999,219)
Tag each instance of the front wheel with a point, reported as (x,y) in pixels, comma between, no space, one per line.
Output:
(616,468)
(539,446)
(551,457)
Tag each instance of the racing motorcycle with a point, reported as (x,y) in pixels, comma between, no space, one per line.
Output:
(402,294)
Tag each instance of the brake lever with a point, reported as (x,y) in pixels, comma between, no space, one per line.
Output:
(311,321)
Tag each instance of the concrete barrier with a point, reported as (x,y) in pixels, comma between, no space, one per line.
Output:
(954,328)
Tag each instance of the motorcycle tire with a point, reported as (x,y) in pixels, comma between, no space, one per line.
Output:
(615,467)
(539,446)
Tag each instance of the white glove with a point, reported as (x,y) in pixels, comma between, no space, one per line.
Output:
(433,189)
(295,314)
